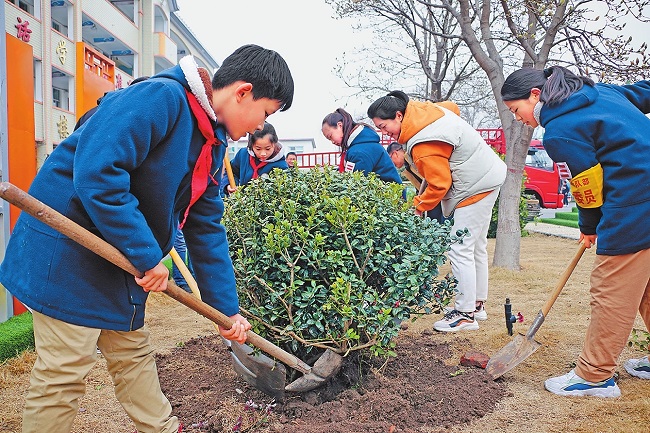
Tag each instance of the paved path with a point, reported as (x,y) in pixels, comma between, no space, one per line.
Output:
(553,230)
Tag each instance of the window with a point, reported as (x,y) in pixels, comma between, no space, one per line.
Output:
(61,85)
(538,158)
(38,81)
(26,5)
(60,19)
(56,97)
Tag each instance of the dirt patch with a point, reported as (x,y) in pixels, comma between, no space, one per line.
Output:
(525,406)
(374,395)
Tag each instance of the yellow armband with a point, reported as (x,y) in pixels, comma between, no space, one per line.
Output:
(587,187)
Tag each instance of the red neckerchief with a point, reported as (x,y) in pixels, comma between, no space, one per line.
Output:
(342,163)
(201,173)
(256,167)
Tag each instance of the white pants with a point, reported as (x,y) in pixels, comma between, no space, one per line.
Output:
(469,260)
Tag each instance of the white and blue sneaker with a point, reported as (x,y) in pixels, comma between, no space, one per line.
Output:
(455,320)
(638,367)
(573,385)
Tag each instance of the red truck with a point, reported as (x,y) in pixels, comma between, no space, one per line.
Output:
(543,176)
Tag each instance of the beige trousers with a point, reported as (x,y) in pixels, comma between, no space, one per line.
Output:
(620,286)
(65,355)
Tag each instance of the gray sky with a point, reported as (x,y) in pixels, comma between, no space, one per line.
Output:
(303,32)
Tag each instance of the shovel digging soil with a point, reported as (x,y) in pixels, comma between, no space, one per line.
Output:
(521,347)
(324,368)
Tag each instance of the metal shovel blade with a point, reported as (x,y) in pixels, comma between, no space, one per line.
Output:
(257,369)
(511,355)
(324,368)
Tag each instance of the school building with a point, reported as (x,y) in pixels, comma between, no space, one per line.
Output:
(57,57)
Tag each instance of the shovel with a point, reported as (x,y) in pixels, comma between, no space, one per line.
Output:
(324,368)
(257,369)
(521,347)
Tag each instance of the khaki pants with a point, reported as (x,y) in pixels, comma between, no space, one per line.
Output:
(620,286)
(65,355)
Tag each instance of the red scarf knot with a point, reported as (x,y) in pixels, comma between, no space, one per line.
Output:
(256,167)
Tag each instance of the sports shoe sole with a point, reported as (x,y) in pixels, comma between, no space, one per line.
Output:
(609,392)
(629,367)
(467,326)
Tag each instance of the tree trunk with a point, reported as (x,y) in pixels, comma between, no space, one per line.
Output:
(507,248)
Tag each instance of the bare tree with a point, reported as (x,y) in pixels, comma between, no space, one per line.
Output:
(503,35)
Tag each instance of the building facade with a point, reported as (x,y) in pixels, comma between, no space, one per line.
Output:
(57,58)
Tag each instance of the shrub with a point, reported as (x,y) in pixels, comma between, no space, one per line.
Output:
(333,260)
(16,336)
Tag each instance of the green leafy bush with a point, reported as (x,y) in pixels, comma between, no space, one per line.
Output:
(334,260)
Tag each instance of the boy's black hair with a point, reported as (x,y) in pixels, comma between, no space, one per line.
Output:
(265,69)
(394,146)
(291,153)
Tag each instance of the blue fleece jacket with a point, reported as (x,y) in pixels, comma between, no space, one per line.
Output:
(606,125)
(125,175)
(368,155)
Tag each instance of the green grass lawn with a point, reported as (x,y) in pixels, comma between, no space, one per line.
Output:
(566,219)
(16,336)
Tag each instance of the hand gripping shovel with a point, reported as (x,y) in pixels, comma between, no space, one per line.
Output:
(312,377)
(257,369)
(521,347)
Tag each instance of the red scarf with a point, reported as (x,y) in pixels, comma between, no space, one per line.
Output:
(342,163)
(201,173)
(256,167)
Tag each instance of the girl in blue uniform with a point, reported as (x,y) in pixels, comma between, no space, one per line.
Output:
(601,132)
(360,147)
(263,153)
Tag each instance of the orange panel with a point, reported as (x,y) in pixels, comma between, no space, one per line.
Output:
(94,78)
(21,137)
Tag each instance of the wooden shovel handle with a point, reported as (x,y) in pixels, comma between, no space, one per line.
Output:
(563,279)
(231,177)
(99,246)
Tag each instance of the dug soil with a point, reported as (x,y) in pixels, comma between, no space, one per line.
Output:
(402,394)
(424,389)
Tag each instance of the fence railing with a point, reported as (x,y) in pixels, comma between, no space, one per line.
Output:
(492,136)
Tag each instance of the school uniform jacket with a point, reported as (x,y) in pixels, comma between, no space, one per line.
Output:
(125,175)
(603,135)
(365,154)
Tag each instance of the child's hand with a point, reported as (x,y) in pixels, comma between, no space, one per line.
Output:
(238,330)
(230,189)
(155,279)
(589,240)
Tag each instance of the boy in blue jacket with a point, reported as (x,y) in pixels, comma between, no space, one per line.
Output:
(142,163)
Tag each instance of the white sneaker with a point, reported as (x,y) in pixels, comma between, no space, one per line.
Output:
(480,313)
(454,321)
(638,367)
(573,385)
